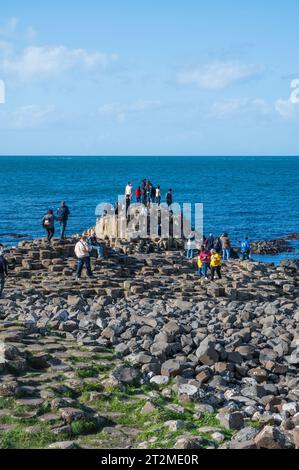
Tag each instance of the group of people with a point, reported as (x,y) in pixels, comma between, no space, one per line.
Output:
(61,216)
(146,193)
(213,251)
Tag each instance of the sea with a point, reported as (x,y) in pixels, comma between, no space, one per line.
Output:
(256,197)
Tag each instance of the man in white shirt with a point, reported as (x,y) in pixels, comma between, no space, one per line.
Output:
(82,251)
(129,190)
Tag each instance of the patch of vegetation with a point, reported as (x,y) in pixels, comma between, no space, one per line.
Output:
(93,371)
(83,427)
(43,409)
(254,424)
(18,438)
(90,387)
(6,403)
(92,357)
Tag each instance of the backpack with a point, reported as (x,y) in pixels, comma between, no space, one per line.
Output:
(46,222)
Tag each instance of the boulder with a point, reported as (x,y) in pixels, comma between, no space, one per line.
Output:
(126,374)
(206,352)
(270,438)
(233,420)
(171,368)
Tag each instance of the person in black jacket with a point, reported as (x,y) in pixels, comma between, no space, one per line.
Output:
(63,214)
(169,197)
(3,269)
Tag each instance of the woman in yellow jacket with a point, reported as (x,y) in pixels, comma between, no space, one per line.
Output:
(215,264)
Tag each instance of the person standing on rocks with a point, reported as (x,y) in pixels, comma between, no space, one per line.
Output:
(199,266)
(153,194)
(169,197)
(215,264)
(3,269)
(245,249)
(138,194)
(226,247)
(128,203)
(218,245)
(95,245)
(191,245)
(129,190)
(148,193)
(63,214)
(205,258)
(210,242)
(82,252)
(49,224)
(158,195)
(143,192)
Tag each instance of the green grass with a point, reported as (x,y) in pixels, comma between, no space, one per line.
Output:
(18,438)
(6,403)
(92,357)
(127,405)
(84,427)
(254,424)
(93,371)
(89,387)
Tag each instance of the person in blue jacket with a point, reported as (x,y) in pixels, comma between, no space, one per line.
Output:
(245,249)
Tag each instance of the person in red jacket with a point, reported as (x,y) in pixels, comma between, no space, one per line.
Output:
(205,258)
(138,194)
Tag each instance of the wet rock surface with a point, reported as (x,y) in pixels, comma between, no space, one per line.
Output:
(89,363)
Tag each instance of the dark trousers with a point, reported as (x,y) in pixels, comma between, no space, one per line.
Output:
(81,262)
(218,271)
(50,233)
(62,229)
(245,255)
(2,282)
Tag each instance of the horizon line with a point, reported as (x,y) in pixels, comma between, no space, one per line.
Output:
(145,156)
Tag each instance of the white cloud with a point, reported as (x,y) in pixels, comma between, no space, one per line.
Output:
(218,75)
(41,62)
(120,112)
(286,109)
(26,117)
(240,105)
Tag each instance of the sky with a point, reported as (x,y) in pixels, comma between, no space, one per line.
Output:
(115,77)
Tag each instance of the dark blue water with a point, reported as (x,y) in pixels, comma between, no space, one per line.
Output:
(256,196)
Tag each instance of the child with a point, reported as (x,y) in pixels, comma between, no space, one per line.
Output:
(215,264)
(205,258)
(199,265)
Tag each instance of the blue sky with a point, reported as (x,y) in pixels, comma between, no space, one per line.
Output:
(149,77)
